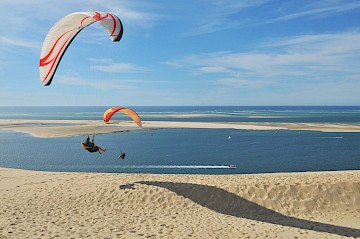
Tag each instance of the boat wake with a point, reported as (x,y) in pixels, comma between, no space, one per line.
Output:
(165,166)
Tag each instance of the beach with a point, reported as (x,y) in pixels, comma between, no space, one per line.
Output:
(38,204)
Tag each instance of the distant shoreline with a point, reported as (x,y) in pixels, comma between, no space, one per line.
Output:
(64,128)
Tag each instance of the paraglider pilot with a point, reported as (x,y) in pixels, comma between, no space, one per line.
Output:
(122,155)
(97,148)
(91,147)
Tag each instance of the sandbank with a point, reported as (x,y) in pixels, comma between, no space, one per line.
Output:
(62,128)
(38,204)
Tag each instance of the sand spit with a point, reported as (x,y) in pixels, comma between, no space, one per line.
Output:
(62,128)
(93,205)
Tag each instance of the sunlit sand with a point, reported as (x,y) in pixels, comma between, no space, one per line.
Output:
(95,205)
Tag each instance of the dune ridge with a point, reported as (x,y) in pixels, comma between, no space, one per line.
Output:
(280,205)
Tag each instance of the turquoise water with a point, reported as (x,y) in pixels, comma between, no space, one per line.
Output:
(199,151)
(306,114)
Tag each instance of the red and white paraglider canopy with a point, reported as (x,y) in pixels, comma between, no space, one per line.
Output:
(64,31)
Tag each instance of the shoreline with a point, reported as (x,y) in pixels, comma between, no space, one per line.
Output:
(43,204)
(66,128)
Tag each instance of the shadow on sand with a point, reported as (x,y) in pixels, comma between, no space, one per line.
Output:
(228,203)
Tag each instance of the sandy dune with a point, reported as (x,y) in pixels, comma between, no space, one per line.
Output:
(92,205)
(61,128)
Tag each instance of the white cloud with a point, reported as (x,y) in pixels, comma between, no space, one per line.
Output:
(336,43)
(213,69)
(315,11)
(117,67)
(221,15)
(101,85)
(107,65)
(23,15)
(18,42)
(240,83)
(216,15)
(101,60)
(332,57)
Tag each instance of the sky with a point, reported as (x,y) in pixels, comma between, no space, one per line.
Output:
(187,53)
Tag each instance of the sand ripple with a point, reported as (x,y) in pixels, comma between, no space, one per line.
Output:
(79,205)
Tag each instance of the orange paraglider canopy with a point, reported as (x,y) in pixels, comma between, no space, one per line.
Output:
(131,113)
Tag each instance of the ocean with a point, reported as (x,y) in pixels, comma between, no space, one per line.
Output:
(189,151)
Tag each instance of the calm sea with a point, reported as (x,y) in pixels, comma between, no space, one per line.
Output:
(198,151)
